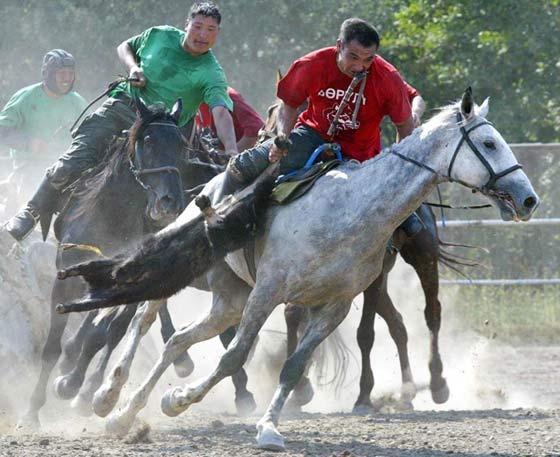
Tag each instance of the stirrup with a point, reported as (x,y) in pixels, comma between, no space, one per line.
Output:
(25,217)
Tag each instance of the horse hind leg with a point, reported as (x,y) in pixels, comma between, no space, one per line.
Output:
(50,355)
(322,322)
(245,402)
(183,364)
(422,254)
(107,395)
(303,392)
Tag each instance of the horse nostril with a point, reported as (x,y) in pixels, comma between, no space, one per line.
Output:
(530,202)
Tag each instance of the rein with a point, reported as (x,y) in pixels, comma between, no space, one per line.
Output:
(485,189)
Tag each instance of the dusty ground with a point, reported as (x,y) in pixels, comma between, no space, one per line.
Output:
(466,433)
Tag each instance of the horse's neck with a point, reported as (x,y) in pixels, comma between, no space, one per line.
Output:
(397,187)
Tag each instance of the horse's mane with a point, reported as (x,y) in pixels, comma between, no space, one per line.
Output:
(116,160)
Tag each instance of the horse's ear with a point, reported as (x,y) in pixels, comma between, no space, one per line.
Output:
(483,109)
(279,75)
(177,110)
(141,107)
(467,103)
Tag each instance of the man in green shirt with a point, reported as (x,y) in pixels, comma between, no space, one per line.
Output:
(35,123)
(168,64)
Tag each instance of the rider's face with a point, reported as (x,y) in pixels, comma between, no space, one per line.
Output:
(352,57)
(64,78)
(202,33)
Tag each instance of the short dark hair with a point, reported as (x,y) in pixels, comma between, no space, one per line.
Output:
(359,30)
(208,9)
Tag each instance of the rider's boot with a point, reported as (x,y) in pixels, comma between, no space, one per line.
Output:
(43,202)
(232,182)
(412,225)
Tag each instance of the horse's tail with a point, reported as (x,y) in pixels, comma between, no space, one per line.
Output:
(454,261)
(331,362)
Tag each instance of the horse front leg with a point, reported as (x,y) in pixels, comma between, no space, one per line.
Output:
(183,364)
(226,311)
(107,395)
(73,345)
(245,402)
(322,322)
(116,331)
(259,307)
(67,386)
(50,355)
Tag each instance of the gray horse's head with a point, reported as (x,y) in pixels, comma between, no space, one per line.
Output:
(482,160)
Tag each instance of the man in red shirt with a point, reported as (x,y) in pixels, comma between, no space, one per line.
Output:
(246,121)
(322,78)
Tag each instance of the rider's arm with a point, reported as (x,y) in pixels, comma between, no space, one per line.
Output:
(224,129)
(404,128)
(11,137)
(287,117)
(128,58)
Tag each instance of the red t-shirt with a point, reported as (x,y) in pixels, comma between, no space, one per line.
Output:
(316,78)
(246,121)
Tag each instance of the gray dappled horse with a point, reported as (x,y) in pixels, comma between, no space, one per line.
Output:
(324,269)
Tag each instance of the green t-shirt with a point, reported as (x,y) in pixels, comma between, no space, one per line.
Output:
(173,73)
(37,116)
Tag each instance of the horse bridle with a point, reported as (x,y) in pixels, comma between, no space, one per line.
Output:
(486,188)
(136,166)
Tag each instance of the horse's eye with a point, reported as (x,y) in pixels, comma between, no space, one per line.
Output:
(489,144)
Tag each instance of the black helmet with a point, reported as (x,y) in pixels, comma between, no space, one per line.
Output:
(55,60)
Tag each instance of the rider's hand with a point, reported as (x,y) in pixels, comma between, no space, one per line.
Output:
(275,153)
(138,74)
(38,146)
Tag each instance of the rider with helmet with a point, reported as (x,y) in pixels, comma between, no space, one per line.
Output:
(35,122)
(164,64)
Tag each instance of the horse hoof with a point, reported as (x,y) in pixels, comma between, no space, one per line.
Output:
(104,401)
(408,392)
(440,392)
(363,409)
(118,425)
(245,404)
(404,406)
(82,406)
(29,423)
(169,402)
(268,438)
(64,388)
(183,365)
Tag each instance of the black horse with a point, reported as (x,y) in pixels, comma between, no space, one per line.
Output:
(137,189)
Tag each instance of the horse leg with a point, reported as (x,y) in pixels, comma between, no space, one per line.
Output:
(303,392)
(386,309)
(244,400)
(106,397)
(73,345)
(183,364)
(229,298)
(260,304)
(322,322)
(51,353)
(365,337)
(422,253)
(116,331)
(68,385)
